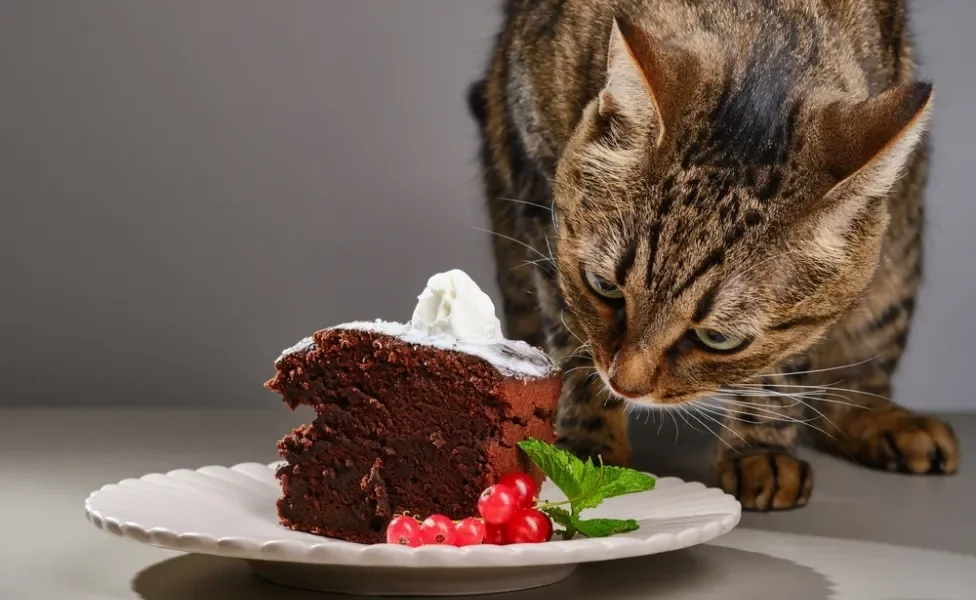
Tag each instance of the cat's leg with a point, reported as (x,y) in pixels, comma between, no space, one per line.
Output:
(590,424)
(514,258)
(859,420)
(755,458)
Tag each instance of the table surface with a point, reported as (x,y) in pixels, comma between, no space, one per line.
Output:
(865,535)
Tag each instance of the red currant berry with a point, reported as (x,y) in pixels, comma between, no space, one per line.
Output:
(470,532)
(528,526)
(495,535)
(403,530)
(498,503)
(524,485)
(437,529)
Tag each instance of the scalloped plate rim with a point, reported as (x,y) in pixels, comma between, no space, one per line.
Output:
(310,552)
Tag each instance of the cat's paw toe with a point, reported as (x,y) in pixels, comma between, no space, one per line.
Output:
(766,481)
(908,443)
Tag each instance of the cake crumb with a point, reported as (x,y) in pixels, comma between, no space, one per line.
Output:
(375,488)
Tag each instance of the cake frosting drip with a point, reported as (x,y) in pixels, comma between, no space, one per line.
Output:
(453,313)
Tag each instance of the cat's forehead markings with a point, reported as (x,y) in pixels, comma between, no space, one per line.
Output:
(600,253)
(626,261)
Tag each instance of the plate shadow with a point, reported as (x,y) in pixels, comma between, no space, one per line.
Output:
(701,573)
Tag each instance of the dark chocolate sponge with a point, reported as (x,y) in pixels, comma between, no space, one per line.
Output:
(399,427)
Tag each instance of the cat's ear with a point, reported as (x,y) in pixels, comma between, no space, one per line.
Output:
(867,144)
(636,80)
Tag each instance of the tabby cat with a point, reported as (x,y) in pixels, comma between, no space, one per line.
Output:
(715,206)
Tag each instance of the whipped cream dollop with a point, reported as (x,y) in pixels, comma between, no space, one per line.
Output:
(452,304)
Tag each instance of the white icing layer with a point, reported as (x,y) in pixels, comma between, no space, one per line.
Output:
(509,357)
(453,313)
(304,345)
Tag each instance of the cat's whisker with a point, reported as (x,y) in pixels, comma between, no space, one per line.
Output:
(826,388)
(813,371)
(535,263)
(721,424)
(809,421)
(798,396)
(562,318)
(549,248)
(771,415)
(808,406)
(552,206)
(511,239)
(837,399)
(736,417)
(764,393)
(582,347)
(681,414)
(677,428)
(574,357)
(585,344)
(769,385)
(734,400)
(803,422)
(685,410)
(831,423)
(517,201)
(764,409)
(820,414)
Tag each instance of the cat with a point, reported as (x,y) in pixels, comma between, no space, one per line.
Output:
(715,205)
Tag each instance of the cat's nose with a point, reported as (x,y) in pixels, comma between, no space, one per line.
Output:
(626,393)
(632,375)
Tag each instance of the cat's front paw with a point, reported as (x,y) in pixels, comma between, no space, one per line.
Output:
(768,480)
(898,440)
(586,447)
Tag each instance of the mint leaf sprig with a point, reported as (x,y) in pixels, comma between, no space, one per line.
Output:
(586,485)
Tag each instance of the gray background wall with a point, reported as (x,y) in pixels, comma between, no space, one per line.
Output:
(187,187)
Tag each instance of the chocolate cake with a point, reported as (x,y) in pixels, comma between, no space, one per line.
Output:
(417,417)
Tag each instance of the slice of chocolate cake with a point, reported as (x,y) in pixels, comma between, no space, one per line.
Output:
(417,417)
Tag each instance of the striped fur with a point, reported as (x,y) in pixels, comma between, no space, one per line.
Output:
(747,166)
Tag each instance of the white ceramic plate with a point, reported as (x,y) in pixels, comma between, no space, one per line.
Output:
(231,512)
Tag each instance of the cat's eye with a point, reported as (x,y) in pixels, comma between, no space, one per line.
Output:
(716,340)
(602,286)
